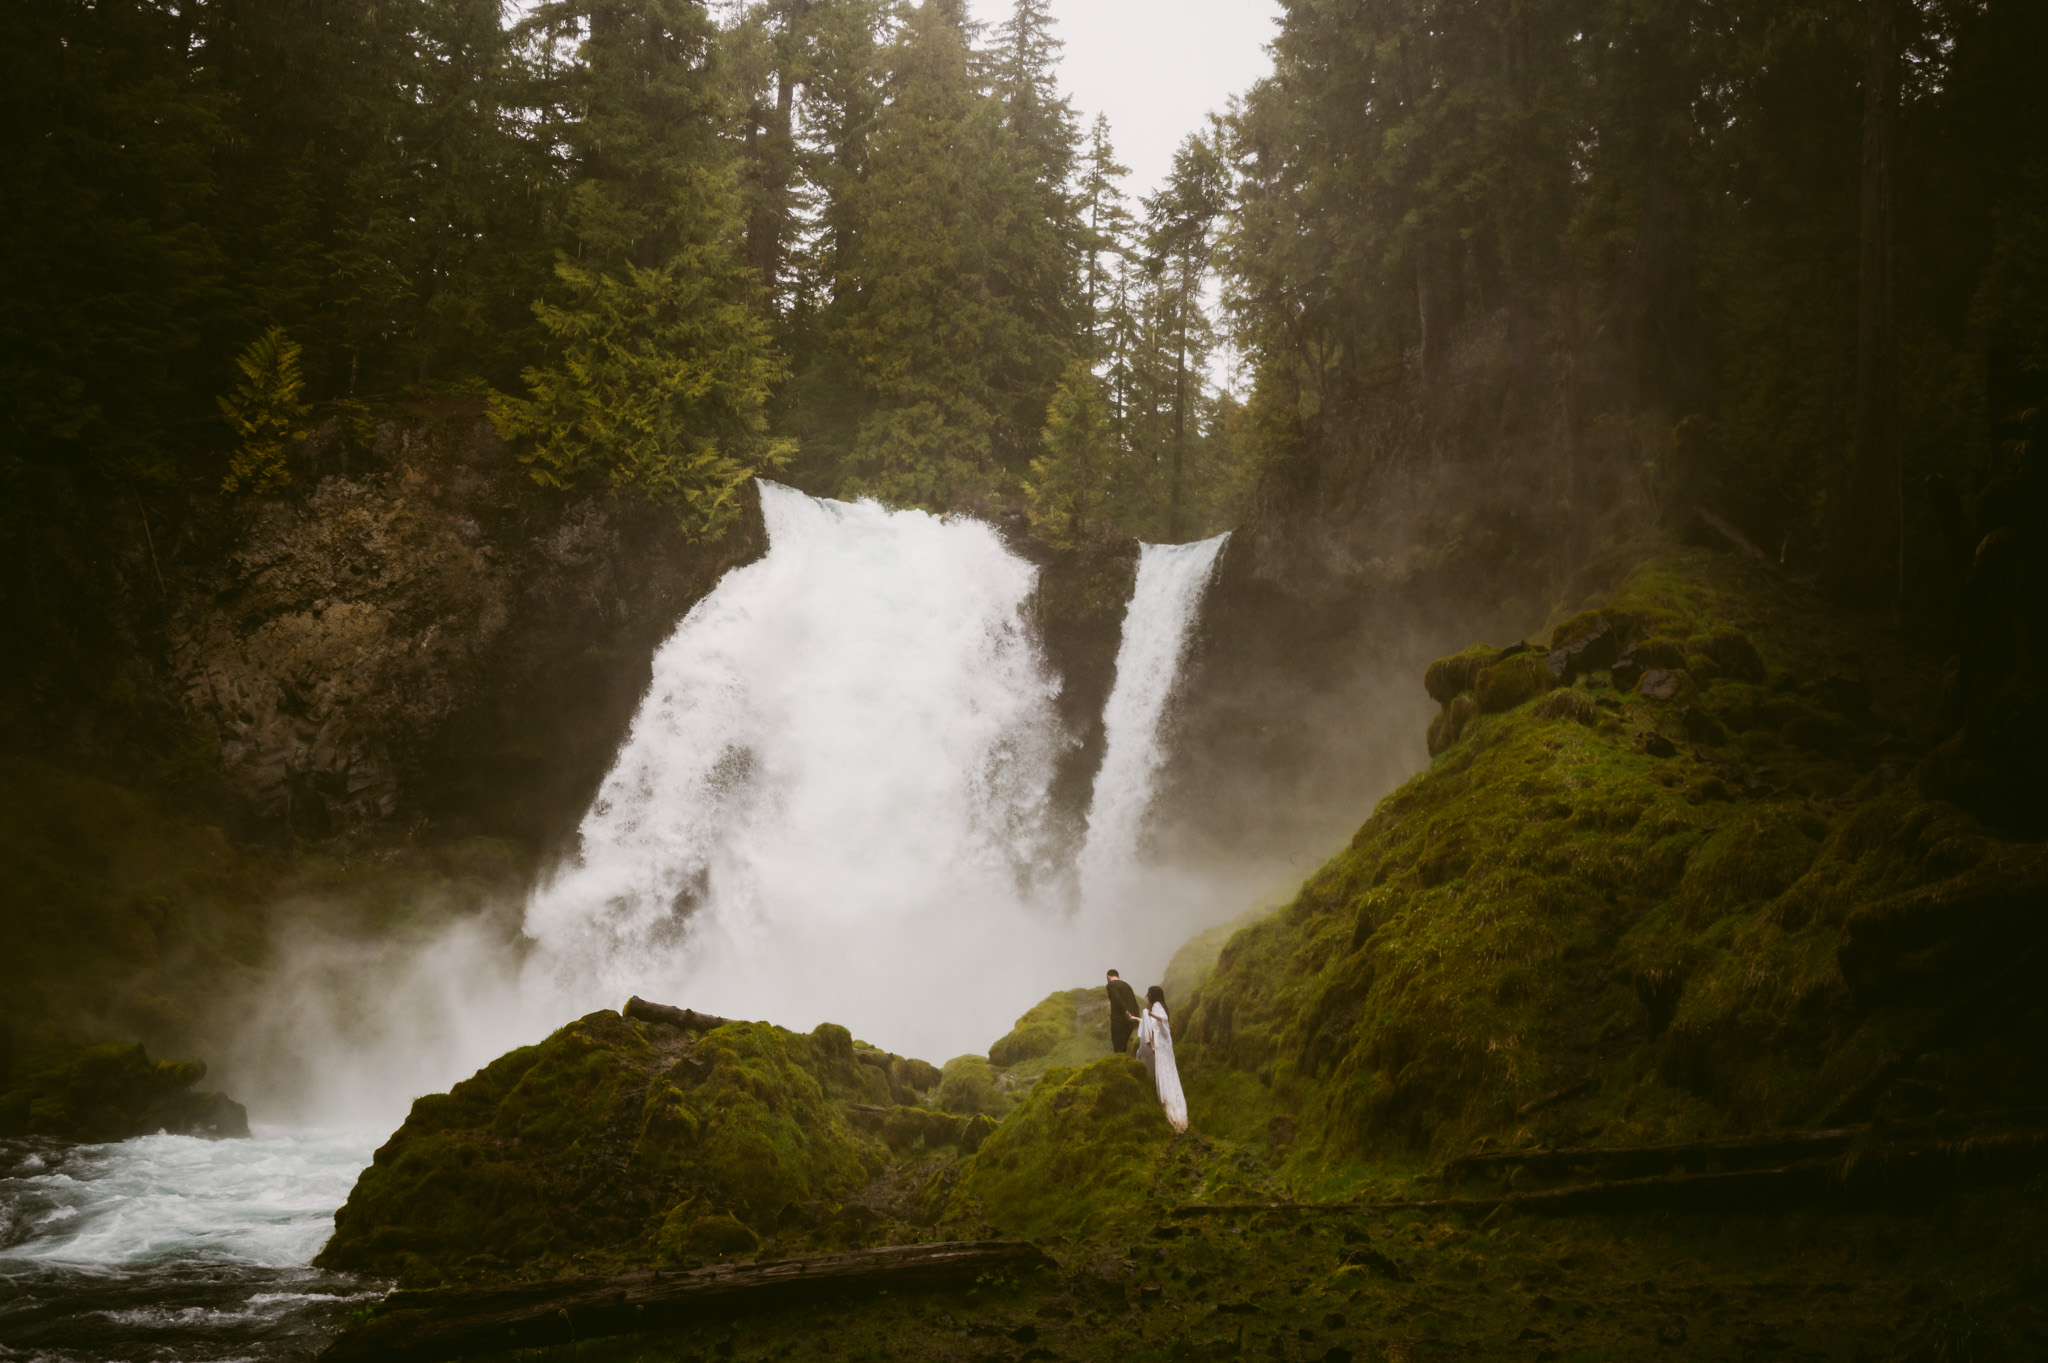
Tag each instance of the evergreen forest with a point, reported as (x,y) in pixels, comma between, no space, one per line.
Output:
(1792,251)
(1531,536)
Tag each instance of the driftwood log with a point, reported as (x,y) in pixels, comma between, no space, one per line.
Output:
(686,1019)
(423,1327)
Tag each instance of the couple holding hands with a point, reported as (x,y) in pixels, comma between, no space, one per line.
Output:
(1155,1042)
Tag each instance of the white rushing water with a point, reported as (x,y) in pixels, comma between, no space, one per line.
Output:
(832,805)
(833,801)
(1158,625)
(170,1247)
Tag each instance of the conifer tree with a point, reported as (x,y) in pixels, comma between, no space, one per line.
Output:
(665,365)
(918,320)
(1067,493)
(266,413)
(1178,221)
(1106,224)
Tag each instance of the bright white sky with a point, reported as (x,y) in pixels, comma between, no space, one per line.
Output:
(1156,67)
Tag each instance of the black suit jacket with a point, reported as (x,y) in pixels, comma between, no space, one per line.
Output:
(1123,1001)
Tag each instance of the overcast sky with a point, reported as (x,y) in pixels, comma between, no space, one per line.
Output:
(1156,67)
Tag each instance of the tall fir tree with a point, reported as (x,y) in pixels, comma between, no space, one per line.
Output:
(918,318)
(665,363)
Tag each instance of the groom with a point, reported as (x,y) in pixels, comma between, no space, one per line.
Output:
(1123,1005)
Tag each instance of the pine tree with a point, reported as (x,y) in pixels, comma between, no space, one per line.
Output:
(918,319)
(1107,225)
(1178,221)
(266,414)
(1067,493)
(665,365)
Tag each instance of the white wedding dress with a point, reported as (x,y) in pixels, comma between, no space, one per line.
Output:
(1155,1048)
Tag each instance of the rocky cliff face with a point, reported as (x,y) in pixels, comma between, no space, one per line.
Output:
(426,639)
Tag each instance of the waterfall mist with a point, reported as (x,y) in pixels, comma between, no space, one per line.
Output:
(833,804)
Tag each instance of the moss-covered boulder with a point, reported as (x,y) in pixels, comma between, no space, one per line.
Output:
(111,1092)
(1447,677)
(1081,1152)
(1517,678)
(970,1087)
(1067,1028)
(616,1141)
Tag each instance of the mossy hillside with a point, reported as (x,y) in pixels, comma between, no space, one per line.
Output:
(1080,1154)
(616,1142)
(1069,1028)
(1730,937)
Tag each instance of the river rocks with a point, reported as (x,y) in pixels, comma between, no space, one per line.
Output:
(112,1092)
(619,1141)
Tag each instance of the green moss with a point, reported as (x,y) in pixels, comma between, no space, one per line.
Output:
(102,1093)
(521,1165)
(969,1086)
(1551,903)
(1038,1033)
(1511,681)
(1080,1153)
(1446,677)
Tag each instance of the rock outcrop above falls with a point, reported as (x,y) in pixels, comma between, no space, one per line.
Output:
(420,633)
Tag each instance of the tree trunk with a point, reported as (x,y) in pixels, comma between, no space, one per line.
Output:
(1180,421)
(446,1323)
(1863,565)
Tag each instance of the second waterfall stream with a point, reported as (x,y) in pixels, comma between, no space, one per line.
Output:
(833,801)
(833,804)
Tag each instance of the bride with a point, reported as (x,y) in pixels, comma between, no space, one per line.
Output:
(1155,1048)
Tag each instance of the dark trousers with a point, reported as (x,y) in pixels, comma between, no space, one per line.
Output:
(1120,1035)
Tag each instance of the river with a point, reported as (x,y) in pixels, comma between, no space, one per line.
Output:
(174,1248)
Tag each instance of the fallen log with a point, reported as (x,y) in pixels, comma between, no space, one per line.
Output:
(686,1019)
(427,1326)
(1774,1147)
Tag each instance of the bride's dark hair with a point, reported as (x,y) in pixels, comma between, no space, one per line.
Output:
(1156,995)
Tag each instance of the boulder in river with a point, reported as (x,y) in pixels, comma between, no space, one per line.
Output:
(112,1092)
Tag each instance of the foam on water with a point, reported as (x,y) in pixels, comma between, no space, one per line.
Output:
(168,1247)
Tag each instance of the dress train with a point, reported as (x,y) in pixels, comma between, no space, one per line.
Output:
(1155,1048)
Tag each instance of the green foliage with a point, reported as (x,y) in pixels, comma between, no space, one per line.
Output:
(1081,1153)
(1067,491)
(660,392)
(265,413)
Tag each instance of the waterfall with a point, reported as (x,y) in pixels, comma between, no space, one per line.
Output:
(832,805)
(832,802)
(1157,626)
